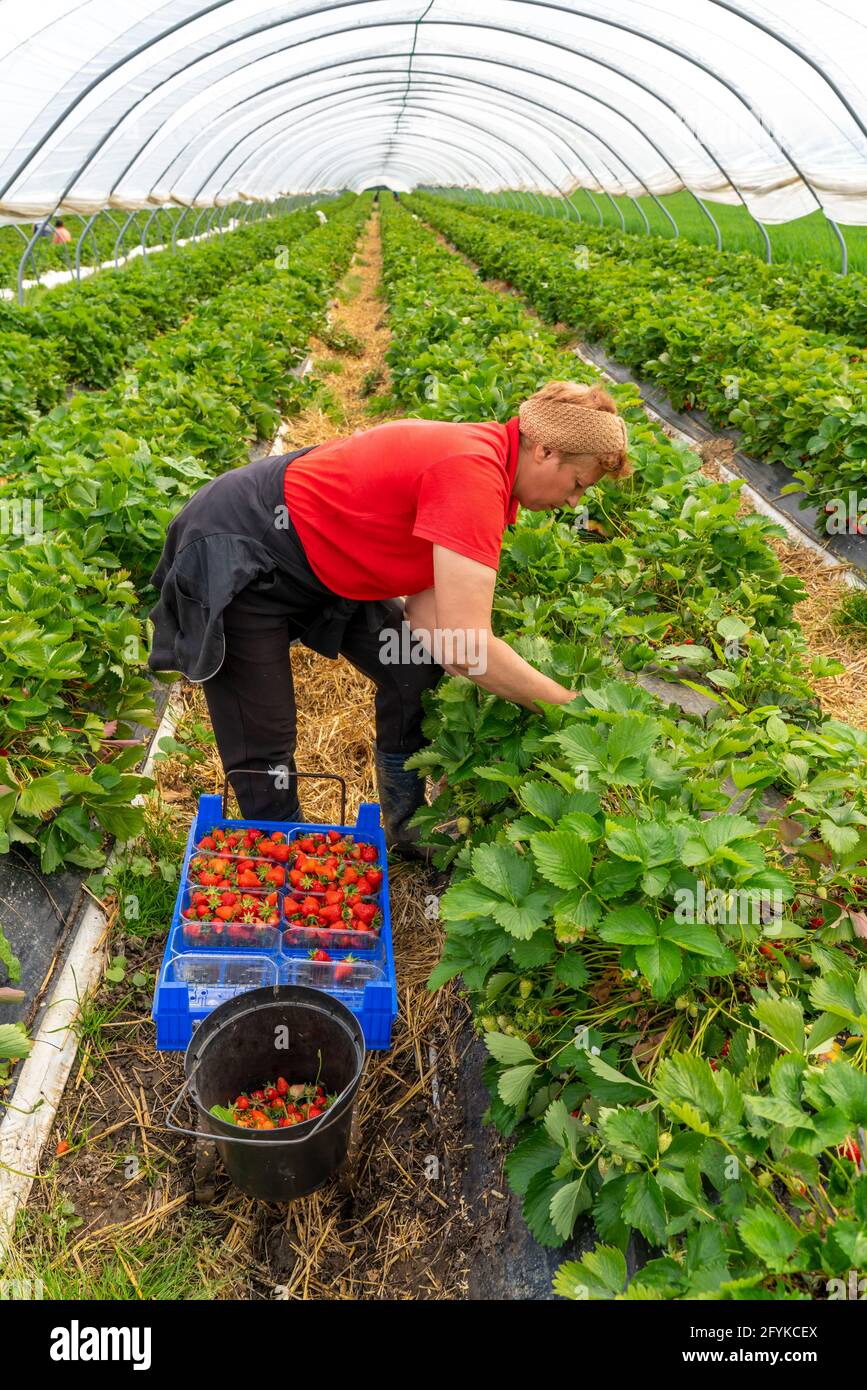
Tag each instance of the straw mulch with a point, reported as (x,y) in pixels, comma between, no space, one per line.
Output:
(842,697)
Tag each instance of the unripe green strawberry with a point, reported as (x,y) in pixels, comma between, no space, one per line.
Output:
(525,988)
(463,825)
(681,1002)
(765,1178)
(664,1141)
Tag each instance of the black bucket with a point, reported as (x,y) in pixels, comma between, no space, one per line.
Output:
(281,1030)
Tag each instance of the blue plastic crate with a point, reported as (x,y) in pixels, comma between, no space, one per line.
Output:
(193,981)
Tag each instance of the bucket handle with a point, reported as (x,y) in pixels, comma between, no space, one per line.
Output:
(240,1138)
(260,772)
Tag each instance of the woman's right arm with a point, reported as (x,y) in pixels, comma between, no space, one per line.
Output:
(453,619)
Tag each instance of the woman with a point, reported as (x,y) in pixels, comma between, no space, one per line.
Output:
(315,545)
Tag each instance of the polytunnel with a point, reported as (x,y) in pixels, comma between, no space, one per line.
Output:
(198,105)
(433,725)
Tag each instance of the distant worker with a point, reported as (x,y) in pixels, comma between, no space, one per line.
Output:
(395,195)
(62,233)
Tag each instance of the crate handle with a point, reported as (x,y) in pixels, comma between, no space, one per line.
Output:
(202,1135)
(260,772)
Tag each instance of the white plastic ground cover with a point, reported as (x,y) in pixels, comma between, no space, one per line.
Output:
(139,103)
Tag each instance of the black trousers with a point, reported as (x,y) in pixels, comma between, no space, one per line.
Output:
(251,699)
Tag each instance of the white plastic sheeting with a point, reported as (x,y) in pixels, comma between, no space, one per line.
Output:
(135,103)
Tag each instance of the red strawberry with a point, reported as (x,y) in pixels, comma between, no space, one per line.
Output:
(319,955)
(849,1149)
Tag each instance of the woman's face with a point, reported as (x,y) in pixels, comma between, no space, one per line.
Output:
(547,478)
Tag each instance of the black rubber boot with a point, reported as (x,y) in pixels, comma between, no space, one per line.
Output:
(401,793)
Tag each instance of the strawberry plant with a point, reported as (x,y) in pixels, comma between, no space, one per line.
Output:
(798,395)
(85,334)
(110,471)
(669,976)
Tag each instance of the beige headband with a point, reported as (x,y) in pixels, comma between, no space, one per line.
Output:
(574,429)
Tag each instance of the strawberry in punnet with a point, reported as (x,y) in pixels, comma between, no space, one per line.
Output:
(320,955)
(365,912)
(344,970)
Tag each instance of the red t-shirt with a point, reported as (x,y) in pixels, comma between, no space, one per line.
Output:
(369,509)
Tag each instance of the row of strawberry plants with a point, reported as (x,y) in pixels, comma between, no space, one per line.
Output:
(797,396)
(84,334)
(672,992)
(96,484)
(667,598)
(99,246)
(812,295)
